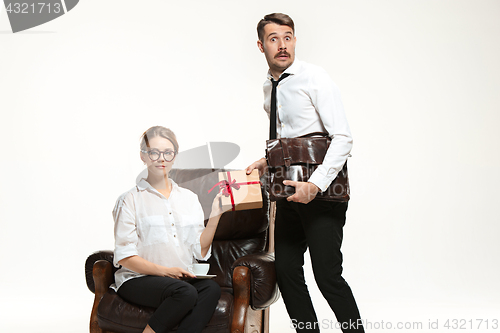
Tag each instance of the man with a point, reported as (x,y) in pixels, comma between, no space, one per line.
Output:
(307,101)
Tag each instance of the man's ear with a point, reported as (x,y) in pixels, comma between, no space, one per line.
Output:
(260,45)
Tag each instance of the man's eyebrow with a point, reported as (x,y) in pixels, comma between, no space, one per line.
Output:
(275,33)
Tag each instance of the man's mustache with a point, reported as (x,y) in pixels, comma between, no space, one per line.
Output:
(282,53)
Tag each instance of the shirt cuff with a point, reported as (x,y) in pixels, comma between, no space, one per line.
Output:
(197,252)
(124,252)
(323,181)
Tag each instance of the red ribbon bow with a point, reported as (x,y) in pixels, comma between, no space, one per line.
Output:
(226,185)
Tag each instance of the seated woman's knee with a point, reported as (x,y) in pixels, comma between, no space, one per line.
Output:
(187,293)
(214,289)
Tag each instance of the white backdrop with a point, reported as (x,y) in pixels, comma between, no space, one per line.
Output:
(420,82)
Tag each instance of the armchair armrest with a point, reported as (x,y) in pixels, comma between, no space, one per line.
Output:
(89,266)
(263,284)
(103,277)
(241,289)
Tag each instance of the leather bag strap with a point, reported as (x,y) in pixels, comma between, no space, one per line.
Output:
(286,153)
(314,134)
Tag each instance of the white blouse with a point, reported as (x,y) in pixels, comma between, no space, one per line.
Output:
(163,231)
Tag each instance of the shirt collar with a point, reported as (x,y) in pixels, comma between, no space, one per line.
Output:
(143,185)
(292,69)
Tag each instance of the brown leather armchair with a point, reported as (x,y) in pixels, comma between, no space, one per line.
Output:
(241,259)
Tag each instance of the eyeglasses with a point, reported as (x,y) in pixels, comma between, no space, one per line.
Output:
(155,154)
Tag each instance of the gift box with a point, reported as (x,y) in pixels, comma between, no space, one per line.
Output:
(239,190)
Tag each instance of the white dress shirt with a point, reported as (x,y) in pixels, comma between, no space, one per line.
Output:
(309,101)
(163,231)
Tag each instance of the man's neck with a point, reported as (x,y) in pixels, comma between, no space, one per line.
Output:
(276,74)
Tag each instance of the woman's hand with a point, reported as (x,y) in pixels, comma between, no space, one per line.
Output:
(177,273)
(217,206)
(142,266)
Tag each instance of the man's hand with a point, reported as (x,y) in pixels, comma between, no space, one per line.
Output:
(304,192)
(260,165)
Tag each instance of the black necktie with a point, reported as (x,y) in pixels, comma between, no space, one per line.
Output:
(272,127)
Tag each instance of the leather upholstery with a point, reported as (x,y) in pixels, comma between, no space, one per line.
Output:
(261,286)
(133,319)
(241,240)
(89,264)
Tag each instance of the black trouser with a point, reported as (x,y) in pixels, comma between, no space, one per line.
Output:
(189,304)
(317,225)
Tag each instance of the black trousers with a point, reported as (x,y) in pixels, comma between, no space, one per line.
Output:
(317,225)
(189,304)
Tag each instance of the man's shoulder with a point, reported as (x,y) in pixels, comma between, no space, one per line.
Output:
(315,76)
(312,69)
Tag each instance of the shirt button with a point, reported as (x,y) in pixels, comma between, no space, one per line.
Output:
(172,224)
(175,235)
(170,213)
(279,106)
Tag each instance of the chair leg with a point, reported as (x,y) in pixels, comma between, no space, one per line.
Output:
(254,321)
(265,322)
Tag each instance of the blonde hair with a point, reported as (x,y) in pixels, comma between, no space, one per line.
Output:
(155,131)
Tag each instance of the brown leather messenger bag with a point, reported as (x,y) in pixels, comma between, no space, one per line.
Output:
(296,159)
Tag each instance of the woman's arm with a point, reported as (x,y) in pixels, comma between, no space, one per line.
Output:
(207,235)
(142,266)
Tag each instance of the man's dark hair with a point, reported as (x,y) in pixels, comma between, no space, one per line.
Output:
(278,18)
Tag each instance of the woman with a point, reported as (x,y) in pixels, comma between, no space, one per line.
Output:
(159,232)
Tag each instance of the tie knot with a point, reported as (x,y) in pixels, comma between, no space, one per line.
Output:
(284,75)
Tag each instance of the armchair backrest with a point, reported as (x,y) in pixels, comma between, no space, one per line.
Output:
(239,233)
